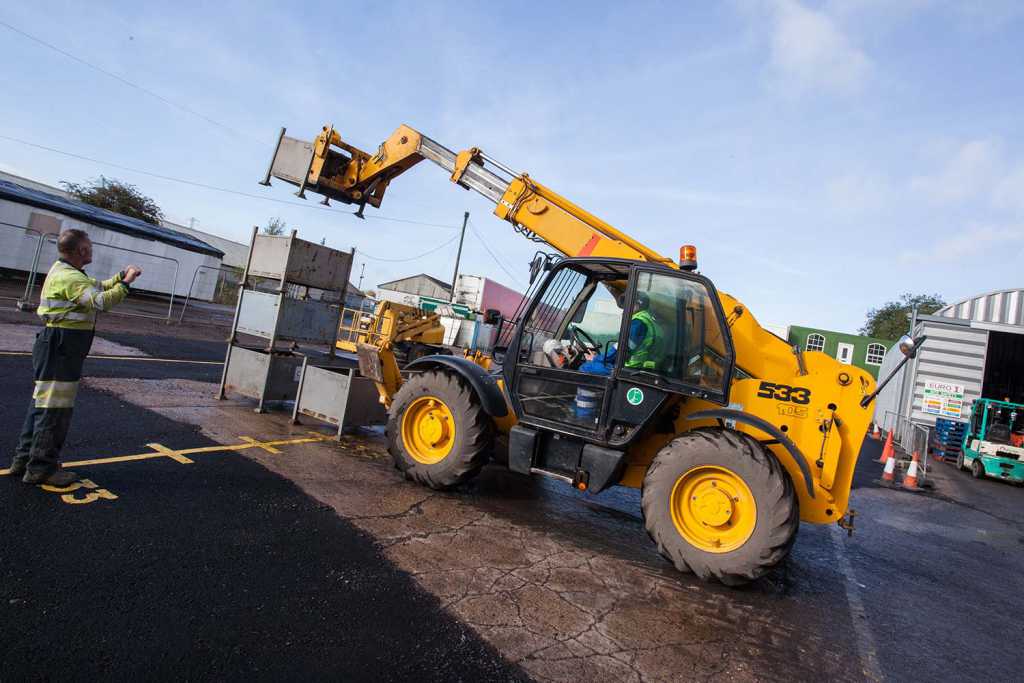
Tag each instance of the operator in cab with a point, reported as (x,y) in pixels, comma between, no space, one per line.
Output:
(646,341)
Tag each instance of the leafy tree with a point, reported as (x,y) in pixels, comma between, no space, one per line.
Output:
(115,195)
(892,319)
(275,226)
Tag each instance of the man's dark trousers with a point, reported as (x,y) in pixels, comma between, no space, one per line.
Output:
(57,358)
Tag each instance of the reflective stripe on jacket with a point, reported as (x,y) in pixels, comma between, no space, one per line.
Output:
(70,298)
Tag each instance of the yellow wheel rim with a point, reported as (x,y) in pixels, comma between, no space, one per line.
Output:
(428,430)
(713,509)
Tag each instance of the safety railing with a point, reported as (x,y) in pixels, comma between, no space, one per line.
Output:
(359,324)
(15,253)
(40,249)
(910,436)
(151,263)
(921,441)
(225,288)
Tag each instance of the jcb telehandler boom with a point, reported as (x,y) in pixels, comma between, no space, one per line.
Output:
(625,367)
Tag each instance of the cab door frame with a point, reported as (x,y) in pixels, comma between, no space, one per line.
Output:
(621,379)
(516,368)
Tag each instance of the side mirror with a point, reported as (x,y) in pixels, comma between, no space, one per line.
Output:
(492,316)
(906,345)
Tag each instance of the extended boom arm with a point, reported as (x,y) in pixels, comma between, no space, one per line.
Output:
(337,170)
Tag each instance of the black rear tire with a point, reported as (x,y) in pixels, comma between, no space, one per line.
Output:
(474,430)
(960,461)
(777,507)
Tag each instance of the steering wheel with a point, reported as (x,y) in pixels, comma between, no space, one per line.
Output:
(583,341)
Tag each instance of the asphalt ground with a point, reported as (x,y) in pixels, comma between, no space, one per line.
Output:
(212,547)
(216,570)
(943,586)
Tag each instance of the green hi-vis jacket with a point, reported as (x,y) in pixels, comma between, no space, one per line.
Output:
(70,298)
(648,353)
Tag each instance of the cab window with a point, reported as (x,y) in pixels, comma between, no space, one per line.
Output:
(577,319)
(675,332)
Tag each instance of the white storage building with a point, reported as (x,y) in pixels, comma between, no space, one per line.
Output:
(30,217)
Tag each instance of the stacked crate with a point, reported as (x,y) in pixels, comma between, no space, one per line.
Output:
(947,439)
(289,294)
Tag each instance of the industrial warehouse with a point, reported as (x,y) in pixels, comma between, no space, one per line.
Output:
(975,346)
(696,355)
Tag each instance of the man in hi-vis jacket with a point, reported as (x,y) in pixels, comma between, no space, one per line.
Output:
(68,305)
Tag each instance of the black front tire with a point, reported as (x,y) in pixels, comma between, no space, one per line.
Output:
(474,430)
(778,514)
(977,469)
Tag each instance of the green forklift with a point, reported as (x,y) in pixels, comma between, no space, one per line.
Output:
(994,441)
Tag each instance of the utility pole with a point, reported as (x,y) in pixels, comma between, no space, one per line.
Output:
(458,256)
(362,270)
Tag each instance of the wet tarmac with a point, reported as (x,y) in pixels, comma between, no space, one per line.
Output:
(566,586)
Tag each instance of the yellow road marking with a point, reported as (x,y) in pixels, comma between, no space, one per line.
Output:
(68,492)
(70,488)
(92,493)
(259,444)
(173,455)
(99,494)
(139,358)
(228,448)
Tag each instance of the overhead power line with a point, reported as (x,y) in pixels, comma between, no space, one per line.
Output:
(493,255)
(125,81)
(412,258)
(193,183)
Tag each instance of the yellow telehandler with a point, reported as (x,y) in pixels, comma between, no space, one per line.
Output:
(623,367)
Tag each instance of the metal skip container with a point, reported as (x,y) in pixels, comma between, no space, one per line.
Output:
(307,282)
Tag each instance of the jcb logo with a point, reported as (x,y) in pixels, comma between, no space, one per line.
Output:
(784,392)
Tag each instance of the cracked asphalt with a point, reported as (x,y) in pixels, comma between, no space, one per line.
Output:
(538,580)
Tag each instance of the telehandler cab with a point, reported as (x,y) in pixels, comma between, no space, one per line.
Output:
(622,367)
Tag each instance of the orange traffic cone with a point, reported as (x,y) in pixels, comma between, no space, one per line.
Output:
(910,480)
(889,475)
(877,434)
(887,451)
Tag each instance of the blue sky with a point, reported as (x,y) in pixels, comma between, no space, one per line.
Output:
(824,157)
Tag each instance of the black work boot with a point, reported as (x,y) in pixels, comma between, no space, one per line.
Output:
(57,478)
(17,467)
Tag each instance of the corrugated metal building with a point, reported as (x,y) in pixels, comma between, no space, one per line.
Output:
(169,258)
(235,253)
(974,349)
(419,285)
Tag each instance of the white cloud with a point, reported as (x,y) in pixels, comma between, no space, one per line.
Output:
(856,193)
(977,239)
(692,197)
(810,49)
(968,173)
(1009,191)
